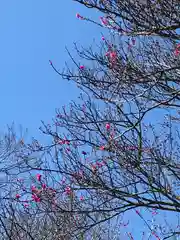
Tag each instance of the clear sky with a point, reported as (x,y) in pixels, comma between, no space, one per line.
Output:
(32,32)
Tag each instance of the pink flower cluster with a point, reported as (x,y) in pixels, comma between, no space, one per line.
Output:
(112,56)
(177,50)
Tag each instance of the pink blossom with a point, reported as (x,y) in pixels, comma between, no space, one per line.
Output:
(81,67)
(101,147)
(99,164)
(38,176)
(68,190)
(79,16)
(108,126)
(81,198)
(33,188)
(17,196)
(62,141)
(67,142)
(36,198)
(94,167)
(26,205)
(103,38)
(113,56)
(177,50)
(154,213)
(43,186)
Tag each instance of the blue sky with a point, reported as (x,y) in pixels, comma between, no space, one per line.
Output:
(32,32)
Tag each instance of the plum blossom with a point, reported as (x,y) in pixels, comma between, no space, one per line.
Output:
(81,198)
(82,67)
(38,176)
(113,56)
(101,147)
(17,196)
(33,188)
(108,126)
(79,16)
(35,198)
(43,186)
(68,190)
(177,50)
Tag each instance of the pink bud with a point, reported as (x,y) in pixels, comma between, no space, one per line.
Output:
(113,55)
(176,52)
(81,67)
(81,198)
(38,176)
(44,186)
(17,196)
(79,16)
(101,147)
(103,38)
(36,198)
(33,188)
(108,126)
